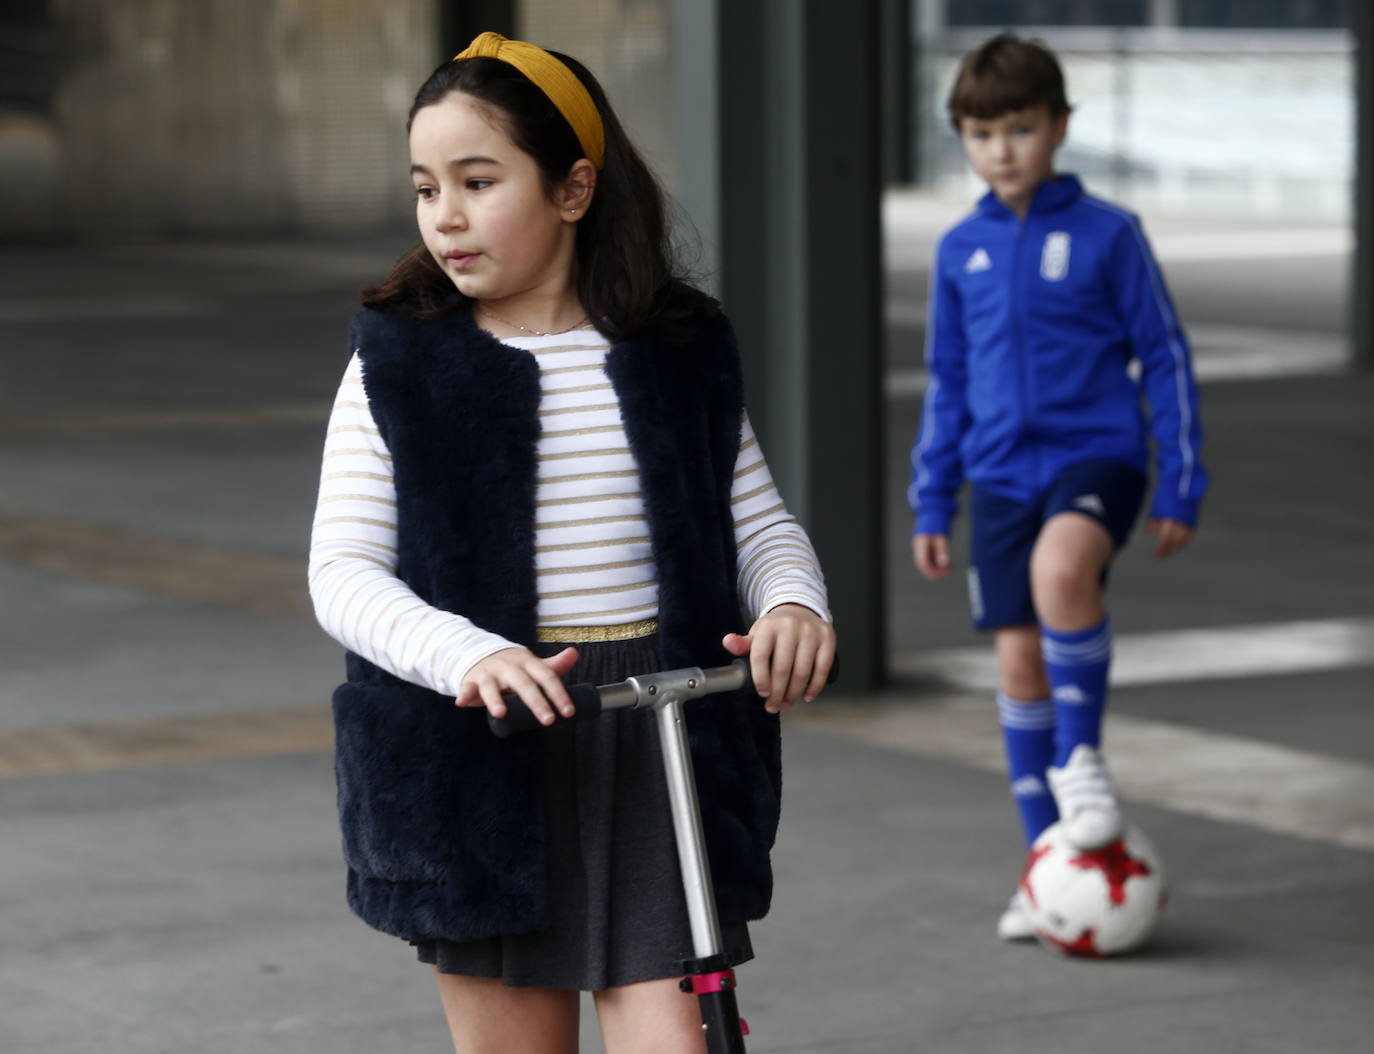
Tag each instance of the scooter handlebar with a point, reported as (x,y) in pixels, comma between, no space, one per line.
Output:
(589,699)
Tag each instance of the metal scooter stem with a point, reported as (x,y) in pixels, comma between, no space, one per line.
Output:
(709,975)
(711,980)
(665,693)
(691,840)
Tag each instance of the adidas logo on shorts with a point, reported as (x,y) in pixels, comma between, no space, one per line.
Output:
(1090,503)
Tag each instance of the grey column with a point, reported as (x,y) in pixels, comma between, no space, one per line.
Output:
(461,20)
(1362,310)
(696,95)
(799,227)
(899,115)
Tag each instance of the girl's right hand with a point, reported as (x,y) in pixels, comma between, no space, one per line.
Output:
(931,553)
(519,670)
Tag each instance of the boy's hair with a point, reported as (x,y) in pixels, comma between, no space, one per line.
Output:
(1007,73)
(625,269)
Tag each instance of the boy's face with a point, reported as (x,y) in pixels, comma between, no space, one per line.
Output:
(1014,152)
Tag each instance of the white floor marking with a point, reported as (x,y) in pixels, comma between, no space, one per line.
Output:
(1220,353)
(1210,774)
(1254,244)
(1182,655)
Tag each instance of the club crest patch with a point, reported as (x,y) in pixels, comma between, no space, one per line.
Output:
(1054,257)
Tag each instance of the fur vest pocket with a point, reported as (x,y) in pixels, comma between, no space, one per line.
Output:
(426,833)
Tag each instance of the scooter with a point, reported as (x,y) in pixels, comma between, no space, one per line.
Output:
(707,974)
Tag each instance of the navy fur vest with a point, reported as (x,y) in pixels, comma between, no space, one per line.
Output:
(442,822)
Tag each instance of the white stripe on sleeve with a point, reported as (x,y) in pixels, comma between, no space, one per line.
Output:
(358,598)
(777,564)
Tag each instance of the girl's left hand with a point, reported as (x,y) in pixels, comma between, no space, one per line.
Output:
(790,651)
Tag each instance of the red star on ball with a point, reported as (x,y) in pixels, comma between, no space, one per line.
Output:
(1116,865)
(1084,947)
(1031,857)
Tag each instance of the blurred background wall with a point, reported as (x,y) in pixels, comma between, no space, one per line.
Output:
(209,117)
(147,118)
(1178,104)
(254,118)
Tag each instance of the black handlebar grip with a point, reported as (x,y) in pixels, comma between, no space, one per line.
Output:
(519,718)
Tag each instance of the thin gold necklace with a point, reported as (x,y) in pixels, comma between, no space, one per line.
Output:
(525,329)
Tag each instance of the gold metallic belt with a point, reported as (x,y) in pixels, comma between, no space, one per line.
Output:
(588,634)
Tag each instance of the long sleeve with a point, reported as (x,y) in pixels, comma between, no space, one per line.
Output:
(1166,375)
(777,563)
(358,598)
(937,471)
(353,553)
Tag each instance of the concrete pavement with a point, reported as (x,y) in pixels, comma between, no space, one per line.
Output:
(171,877)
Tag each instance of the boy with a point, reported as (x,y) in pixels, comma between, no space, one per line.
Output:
(1040,300)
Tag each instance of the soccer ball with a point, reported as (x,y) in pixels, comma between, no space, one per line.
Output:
(1092,902)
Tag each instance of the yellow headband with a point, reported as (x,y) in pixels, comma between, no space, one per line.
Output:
(555,80)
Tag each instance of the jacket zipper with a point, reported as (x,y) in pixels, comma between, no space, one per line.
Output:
(1018,340)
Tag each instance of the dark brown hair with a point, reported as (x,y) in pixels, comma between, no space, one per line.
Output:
(625,269)
(1007,73)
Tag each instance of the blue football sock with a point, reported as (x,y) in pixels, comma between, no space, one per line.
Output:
(1028,734)
(1076,664)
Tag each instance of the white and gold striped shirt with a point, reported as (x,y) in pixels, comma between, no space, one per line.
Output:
(592,551)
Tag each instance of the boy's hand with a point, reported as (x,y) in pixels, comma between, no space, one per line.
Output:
(519,670)
(931,553)
(1170,535)
(790,651)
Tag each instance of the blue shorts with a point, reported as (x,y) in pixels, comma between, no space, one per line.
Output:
(1002,533)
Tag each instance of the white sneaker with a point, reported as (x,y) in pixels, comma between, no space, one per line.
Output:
(1087,803)
(1015,924)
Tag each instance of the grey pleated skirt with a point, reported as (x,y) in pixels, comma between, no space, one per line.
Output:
(618,911)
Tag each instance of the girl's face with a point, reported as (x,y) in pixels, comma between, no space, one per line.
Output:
(483,210)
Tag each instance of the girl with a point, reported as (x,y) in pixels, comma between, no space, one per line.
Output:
(539,467)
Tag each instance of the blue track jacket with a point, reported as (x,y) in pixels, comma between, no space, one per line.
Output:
(1031,328)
